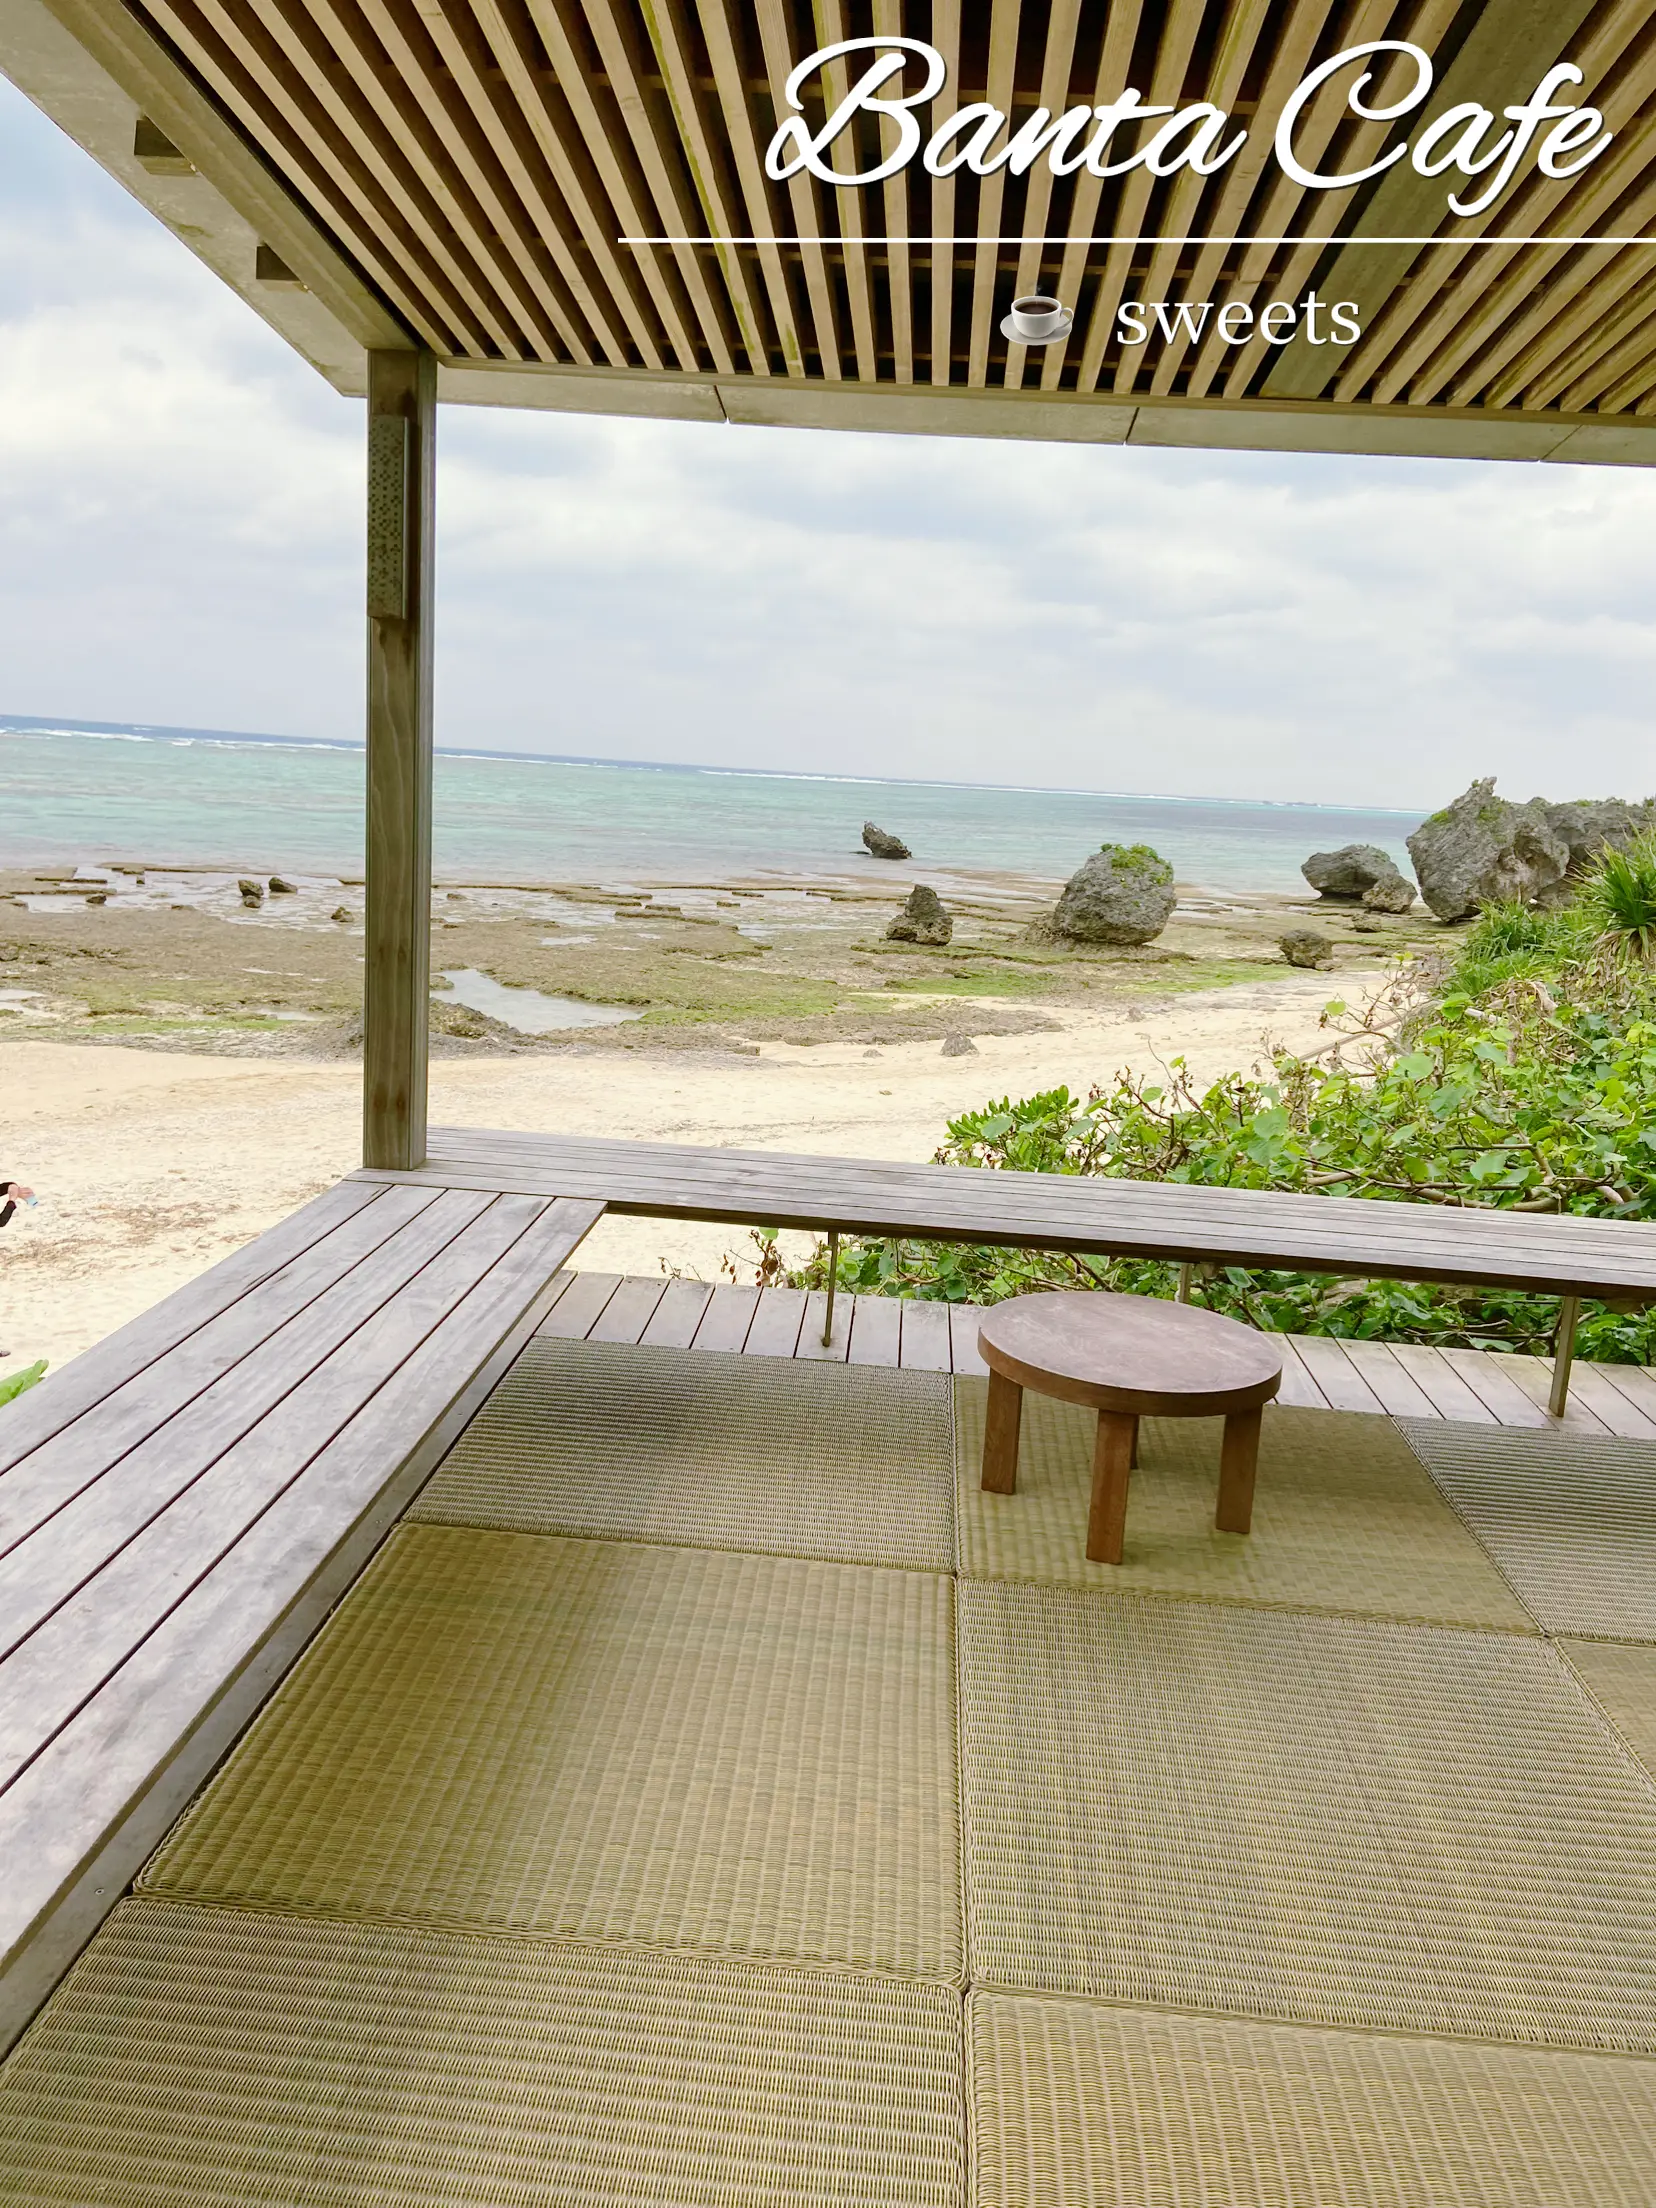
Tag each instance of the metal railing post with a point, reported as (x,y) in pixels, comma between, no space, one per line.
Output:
(833,1282)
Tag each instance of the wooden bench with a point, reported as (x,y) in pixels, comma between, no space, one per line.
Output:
(1563,1256)
(182,1505)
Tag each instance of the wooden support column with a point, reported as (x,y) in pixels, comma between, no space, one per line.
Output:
(402,423)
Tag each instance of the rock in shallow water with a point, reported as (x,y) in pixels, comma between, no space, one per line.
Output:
(882,845)
(252,893)
(924,919)
(1122,895)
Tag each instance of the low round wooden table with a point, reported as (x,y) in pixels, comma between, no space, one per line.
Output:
(1127,1357)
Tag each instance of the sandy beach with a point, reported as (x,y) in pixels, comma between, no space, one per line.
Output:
(151,1165)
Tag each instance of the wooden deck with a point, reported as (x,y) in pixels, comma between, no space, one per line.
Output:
(1475,1387)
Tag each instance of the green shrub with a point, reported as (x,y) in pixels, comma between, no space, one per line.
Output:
(19,1381)
(1521,1078)
(1621,896)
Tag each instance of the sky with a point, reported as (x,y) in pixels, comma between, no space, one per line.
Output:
(181,542)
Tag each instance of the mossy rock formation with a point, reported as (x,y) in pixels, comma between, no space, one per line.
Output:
(1122,895)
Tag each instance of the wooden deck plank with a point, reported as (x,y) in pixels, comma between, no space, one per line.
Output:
(581,1305)
(1593,1386)
(964,1321)
(79,1456)
(1563,1255)
(1298,1388)
(1441,1384)
(810,1334)
(90,1378)
(1395,1390)
(90,1632)
(73,1545)
(1534,1376)
(776,1323)
(678,1314)
(728,1316)
(87,1810)
(1634,1382)
(923,1340)
(876,1331)
(628,1312)
(1341,1385)
(1496,1390)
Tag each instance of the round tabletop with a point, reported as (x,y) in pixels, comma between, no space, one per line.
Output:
(1135,1354)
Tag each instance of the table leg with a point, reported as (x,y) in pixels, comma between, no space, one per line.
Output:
(1112,1466)
(1000,1435)
(1238,1462)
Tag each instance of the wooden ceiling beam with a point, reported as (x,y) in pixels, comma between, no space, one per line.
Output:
(663,165)
(392,254)
(573,176)
(736,106)
(552,23)
(1508,49)
(1005,22)
(894,202)
(846,201)
(945,29)
(1121,29)
(776,38)
(1057,69)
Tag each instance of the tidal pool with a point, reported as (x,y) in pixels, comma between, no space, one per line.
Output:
(530,1011)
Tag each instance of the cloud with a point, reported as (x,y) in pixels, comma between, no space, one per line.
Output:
(181,542)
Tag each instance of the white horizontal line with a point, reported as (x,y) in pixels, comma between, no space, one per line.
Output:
(1150,239)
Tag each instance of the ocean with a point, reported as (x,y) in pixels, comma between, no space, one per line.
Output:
(201,798)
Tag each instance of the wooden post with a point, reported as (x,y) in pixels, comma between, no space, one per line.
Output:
(402,422)
(1000,1435)
(1112,1464)
(1569,1315)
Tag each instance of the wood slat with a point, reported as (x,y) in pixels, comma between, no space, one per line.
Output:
(847,204)
(776,37)
(54,1551)
(923,1340)
(1395,1389)
(1496,1390)
(581,1305)
(876,1331)
(941,258)
(811,1343)
(777,1319)
(729,1315)
(1441,1384)
(1594,1386)
(716,19)
(95,1375)
(1057,69)
(1341,1385)
(1534,1376)
(1004,19)
(1121,31)
(1634,1383)
(1298,1386)
(628,1312)
(677,1315)
(964,1321)
(231,1611)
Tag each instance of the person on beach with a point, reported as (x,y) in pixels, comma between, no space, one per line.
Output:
(13,1193)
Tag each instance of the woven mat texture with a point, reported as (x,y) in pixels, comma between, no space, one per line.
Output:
(1621,1677)
(1076,2106)
(1570,1518)
(1332,1820)
(228,2060)
(1344,1517)
(747,1754)
(673,1445)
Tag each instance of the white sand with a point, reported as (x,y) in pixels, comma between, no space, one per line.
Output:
(151,1166)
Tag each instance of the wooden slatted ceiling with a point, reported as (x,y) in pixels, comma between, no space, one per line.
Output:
(482,160)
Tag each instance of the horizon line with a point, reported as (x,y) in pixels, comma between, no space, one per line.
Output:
(145,731)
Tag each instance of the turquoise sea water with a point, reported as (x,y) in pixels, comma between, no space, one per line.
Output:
(191,798)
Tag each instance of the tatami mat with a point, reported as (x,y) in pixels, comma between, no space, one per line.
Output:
(233,2060)
(675,1445)
(747,1754)
(1621,1677)
(1344,1517)
(1079,2106)
(1337,1820)
(1569,1517)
